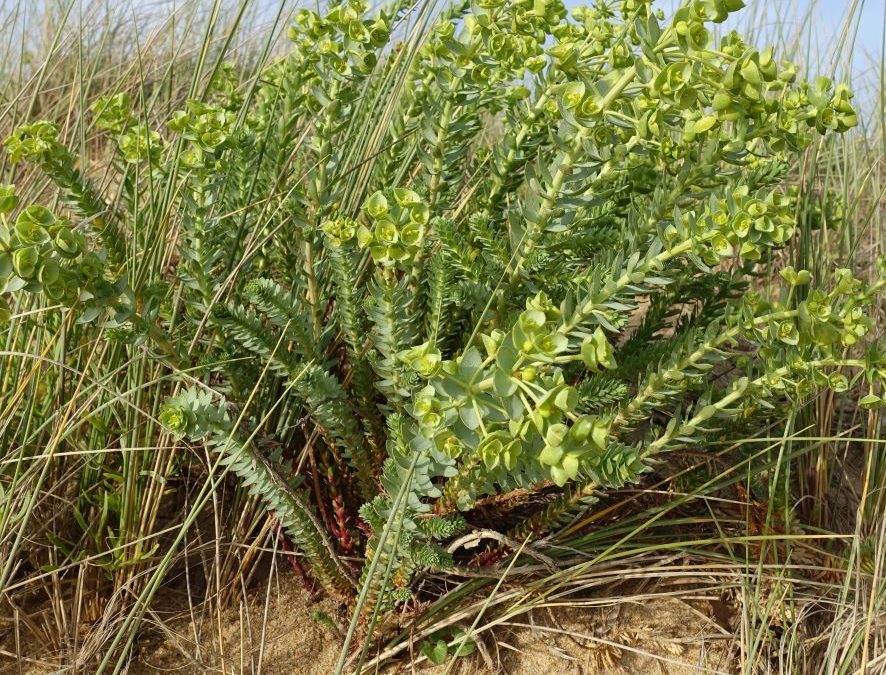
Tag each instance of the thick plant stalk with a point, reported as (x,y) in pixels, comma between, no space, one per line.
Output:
(194,414)
(537,225)
(295,515)
(460,489)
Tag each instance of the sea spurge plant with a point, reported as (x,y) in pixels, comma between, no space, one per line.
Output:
(436,256)
(41,253)
(39,142)
(136,141)
(113,112)
(395,229)
(195,415)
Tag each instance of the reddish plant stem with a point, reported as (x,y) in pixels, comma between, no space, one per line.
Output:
(309,584)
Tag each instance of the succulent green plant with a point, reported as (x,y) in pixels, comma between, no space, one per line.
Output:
(447,305)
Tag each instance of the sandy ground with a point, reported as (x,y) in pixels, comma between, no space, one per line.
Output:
(284,632)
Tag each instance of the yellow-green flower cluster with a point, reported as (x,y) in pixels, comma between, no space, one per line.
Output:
(36,141)
(535,332)
(40,252)
(208,127)
(136,142)
(113,112)
(344,38)
(742,223)
(339,230)
(395,227)
(567,446)
(424,359)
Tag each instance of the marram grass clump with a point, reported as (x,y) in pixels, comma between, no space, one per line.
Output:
(456,268)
